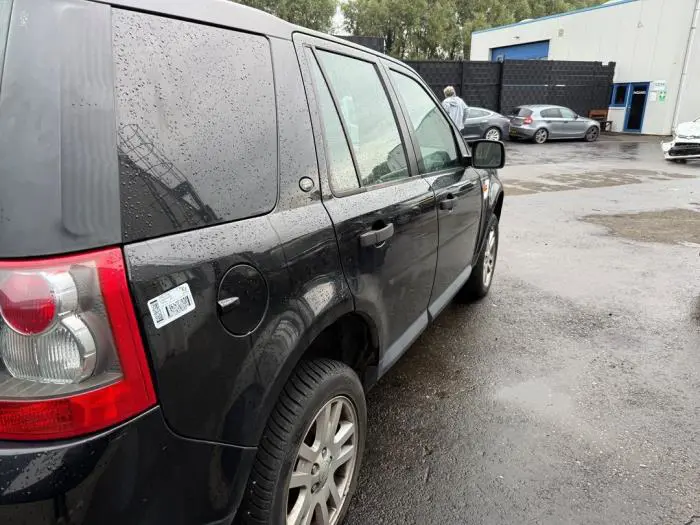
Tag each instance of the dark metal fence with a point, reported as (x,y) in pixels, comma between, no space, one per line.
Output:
(500,86)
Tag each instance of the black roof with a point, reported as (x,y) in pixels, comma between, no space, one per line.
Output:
(235,16)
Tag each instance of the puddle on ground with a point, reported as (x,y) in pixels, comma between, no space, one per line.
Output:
(675,226)
(589,179)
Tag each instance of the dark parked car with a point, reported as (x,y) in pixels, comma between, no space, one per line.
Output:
(217,230)
(485,124)
(541,122)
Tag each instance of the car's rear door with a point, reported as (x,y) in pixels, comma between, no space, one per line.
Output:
(440,152)
(554,122)
(383,212)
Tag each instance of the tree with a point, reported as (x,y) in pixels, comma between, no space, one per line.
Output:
(314,14)
(425,29)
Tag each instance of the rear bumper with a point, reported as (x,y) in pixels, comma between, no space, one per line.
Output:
(521,132)
(137,473)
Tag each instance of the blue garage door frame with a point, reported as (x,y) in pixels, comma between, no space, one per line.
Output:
(528,51)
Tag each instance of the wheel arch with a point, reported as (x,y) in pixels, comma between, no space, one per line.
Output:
(341,334)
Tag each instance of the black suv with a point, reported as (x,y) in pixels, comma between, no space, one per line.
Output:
(217,230)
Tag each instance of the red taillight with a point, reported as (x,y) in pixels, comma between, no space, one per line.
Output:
(528,120)
(72,359)
(26,303)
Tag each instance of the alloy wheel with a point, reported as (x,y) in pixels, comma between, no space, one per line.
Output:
(493,134)
(324,466)
(489,258)
(541,136)
(592,134)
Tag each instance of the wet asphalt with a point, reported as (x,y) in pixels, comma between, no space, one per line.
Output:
(571,394)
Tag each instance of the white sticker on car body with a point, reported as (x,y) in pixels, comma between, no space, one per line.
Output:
(171,305)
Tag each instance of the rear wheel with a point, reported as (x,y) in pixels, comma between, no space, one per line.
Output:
(493,134)
(309,457)
(541,136)
(479,283)
(592,134)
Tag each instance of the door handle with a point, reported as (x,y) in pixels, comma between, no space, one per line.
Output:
(448,203)
(378,236)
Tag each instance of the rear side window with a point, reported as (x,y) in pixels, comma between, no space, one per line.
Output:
(368,118)
(342,171)
(5,9)
(477,113)
(551,113)
(521,112)
(197,137)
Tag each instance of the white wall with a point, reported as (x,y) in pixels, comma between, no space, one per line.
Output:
(690,97)
(645,38)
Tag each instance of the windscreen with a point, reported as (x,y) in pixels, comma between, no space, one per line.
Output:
(5,9)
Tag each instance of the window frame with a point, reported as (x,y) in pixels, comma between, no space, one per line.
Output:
(412,130)
(461,147)
(573,113)
(315,46)
(310,54)
(550,109)
(622,104)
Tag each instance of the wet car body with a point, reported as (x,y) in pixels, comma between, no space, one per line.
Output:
(542,122)
(480,121)
(120,152)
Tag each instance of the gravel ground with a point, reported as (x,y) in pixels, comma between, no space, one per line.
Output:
(571,394)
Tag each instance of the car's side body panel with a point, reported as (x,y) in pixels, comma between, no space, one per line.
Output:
(264,285)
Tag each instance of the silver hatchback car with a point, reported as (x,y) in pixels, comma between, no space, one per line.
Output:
(542,122)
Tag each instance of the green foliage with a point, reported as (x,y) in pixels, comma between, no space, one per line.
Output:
(424,29)
(314,14)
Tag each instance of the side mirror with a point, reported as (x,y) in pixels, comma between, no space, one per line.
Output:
(488,154)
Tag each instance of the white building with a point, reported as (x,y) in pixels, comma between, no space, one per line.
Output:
(653,43)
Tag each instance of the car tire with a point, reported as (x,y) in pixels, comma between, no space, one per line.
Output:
(493,133)
(479,282)
(293,443)
(592,134)
(680,161)
(540,136)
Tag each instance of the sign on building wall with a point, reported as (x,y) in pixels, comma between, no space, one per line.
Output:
(657,91)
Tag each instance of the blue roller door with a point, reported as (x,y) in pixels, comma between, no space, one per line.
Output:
(529,51)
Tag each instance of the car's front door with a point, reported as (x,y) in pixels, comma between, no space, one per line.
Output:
(457,189)
(385,219)
(575,127)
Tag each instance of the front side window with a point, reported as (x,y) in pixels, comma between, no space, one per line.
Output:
(433,133)
(551,113)
(340,166)
(197,131)
(368,118)
(567,113)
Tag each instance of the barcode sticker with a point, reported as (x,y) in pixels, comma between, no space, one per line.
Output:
(171,305)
